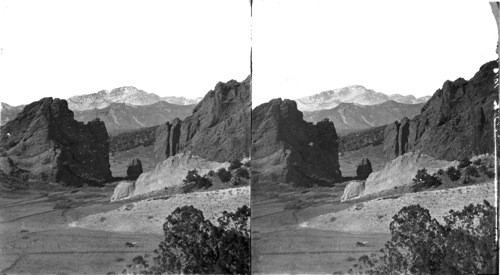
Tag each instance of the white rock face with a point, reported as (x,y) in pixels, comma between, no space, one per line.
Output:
(168,173)
(180,100)
(351,94)
(123,190)
(352,190)
(400,172)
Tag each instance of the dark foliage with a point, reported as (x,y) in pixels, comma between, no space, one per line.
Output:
(423,180)
(194,181)
(235,164)
(132,139)
(357,140)
(453,173)
(477,162)
(471,171)
(193,244)
(242,173)
(463,162)
(421,245)
(211,173)
(224,175)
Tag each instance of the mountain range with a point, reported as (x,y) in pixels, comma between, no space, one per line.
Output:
(121,109)
(127,94)
(349,117)
(352,94)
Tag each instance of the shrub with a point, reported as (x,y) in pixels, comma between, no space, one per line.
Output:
(483,168)
(224,175)
(440,172)
(463,162)
(423,180)
(490,174)
(477,162)
(471,171)
(194,181)
(211,173)
(242,173)
(193,244)
(235,164)
(453,173)
(421,245)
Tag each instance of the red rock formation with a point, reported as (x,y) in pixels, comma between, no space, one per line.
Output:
(45,144)
(286,149)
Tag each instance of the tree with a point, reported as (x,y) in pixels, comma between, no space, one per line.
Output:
(423,180)
(420,245)
(453,173)
(193,244)
(224,175)
(235,164)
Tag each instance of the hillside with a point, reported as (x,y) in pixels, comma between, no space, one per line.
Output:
(349,117)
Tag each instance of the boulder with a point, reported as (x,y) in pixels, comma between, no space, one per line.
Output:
(456,121)
(134,169)
(170,172)
(123,190)
(287,149)
(400,172)
(218,130)
(353,190)
(45,144)
(364,168)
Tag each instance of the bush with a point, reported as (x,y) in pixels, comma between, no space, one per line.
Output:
(490,174)
(194,181)
(423,180)
(211,173)
(193,244)
(421,245)
(453,173)
(440,172)
(477,162)
(224,175)
(463,162)
(471,171)
(242,173)
(235,164)
(483,168)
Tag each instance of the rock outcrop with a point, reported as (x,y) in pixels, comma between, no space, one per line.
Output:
(399,173)
(218,130)
(123,190)
(45,144)
(353,190)
(134,169)
(457,121)
(167,174)
(364,168)
(287,149)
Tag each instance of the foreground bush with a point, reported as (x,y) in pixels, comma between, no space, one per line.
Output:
(194,181)
(465,244)
(193,244)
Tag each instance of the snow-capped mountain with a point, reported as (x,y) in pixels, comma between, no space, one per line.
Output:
(128,95)
(180,100)
(351,94)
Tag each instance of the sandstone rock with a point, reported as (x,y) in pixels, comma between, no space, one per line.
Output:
(457,121)
(134,169)
(364,168)
(218,129)
(45,144)
(401,171)
(286,149)
(124,190)
(170,172)
(353,190)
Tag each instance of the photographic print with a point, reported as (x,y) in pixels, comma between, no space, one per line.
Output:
(372,121)
(125,137)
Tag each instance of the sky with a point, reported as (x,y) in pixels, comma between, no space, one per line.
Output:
(171,48)
(301,48)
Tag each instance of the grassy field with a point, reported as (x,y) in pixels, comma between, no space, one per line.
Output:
(35,237)
(280,244)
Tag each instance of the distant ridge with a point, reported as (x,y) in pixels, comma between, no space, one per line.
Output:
(352,94)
